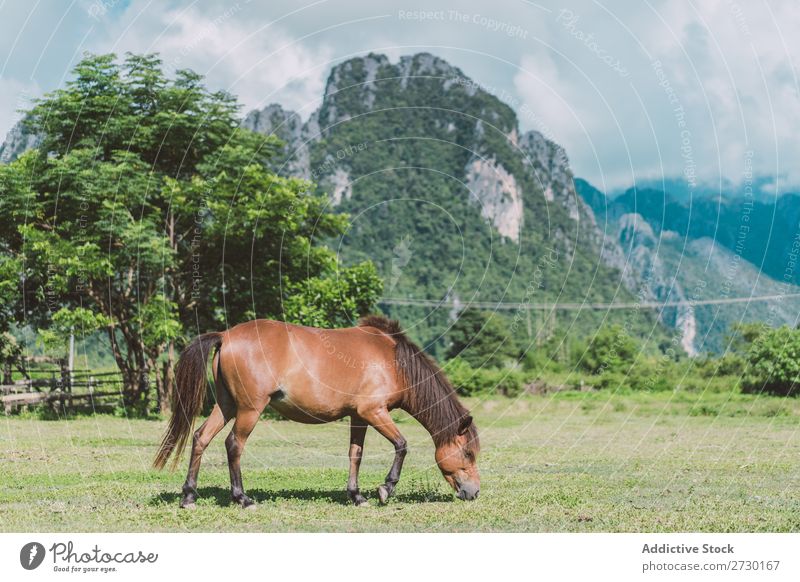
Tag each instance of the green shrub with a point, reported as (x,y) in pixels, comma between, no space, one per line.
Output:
(648,376)
(538,359)
(482,339)
(610,381)
(469,381)
(731,364)
(704,410)
(774,362)
(611,349)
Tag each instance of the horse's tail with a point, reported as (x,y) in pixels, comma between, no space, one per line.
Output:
(187,399)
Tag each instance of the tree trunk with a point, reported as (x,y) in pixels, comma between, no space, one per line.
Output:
(128,374)
(168,385)
(132,365)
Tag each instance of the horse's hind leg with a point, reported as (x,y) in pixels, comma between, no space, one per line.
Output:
(245,423)
(358,430)
(383,423)
(202,436)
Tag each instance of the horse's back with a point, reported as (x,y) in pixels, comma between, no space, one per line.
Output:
(309,374)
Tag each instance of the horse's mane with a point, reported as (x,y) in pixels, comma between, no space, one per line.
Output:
(429,397)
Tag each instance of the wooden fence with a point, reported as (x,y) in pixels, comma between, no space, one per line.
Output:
(64,390)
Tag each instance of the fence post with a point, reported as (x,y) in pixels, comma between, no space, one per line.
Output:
(66,384)
(51,401)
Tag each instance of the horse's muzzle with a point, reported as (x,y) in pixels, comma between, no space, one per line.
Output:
(468,491)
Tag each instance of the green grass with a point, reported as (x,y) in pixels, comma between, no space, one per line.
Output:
(571,462)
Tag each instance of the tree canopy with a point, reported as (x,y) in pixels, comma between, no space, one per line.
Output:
(482,339)
(611,348)
(148,212)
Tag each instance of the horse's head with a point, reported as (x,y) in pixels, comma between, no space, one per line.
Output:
(457,459)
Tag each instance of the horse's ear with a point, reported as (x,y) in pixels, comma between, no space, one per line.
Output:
(463,427)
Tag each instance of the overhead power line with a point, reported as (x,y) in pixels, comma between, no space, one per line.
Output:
(574,306)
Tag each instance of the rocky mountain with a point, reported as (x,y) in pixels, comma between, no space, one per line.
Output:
(17,141)
(448,197)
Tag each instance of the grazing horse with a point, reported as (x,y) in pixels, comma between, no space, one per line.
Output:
(314,375)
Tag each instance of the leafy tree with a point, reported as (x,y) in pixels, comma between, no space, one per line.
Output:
(742,335)
(481,339)
(66,321)
(334,301)
(11,307)
(10,356)
(148,213)
(612,348)
(774,362)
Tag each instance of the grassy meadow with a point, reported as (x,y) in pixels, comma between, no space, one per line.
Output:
(568,462)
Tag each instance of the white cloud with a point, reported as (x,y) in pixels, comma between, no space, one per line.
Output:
(557,109)
(744,90)
(730,66)
(236,50)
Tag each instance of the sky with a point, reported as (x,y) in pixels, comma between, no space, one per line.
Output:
(702,92)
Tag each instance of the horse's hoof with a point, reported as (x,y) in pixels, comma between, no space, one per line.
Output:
(383,494)
(246,503)
(357,499)
(190,505)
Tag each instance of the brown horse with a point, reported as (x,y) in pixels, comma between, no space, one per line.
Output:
(314,375)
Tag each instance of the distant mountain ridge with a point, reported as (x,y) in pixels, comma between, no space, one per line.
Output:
(761,188)
(766,234)
(706,250)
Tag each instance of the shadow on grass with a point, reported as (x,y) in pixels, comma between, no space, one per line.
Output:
(222,496)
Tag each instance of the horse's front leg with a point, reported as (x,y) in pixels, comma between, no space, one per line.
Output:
(358,430)
(383,423)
